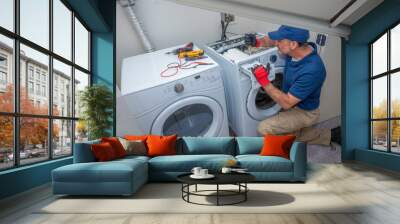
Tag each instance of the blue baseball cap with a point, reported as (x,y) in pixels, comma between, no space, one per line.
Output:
(290,33)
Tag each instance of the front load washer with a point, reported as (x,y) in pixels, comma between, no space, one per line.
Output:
(247,102)
(189,103)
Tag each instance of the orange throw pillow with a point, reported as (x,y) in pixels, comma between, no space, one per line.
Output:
(103,152)
(161,145)
(277,145)
(116,145)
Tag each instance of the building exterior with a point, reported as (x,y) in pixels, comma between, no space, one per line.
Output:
(34,79)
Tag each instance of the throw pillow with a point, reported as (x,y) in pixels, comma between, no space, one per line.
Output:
(117,146)
(103,151)
(161,145)
(277,145)
(135,147)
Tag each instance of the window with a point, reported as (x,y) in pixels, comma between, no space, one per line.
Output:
(44,131)
(37,75)
(6,73)
(81,45)
(62,74)
(6,142)
(30,87)
(62,137)
(385,94)
(62,31)
(37,89)
(43,90)
(35,22)
(30,72)
(7,14)
(3,78)
(81,81)
(3,61)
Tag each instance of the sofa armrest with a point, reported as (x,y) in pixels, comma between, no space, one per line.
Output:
(83,152)
(298,155)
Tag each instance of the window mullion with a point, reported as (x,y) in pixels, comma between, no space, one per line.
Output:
(16,84)
(73,82)
(50,81)
(389,104)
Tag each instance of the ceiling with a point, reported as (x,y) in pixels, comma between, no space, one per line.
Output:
(328,16)
(319,9)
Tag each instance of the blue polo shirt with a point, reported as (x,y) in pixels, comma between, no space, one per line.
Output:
(304,79)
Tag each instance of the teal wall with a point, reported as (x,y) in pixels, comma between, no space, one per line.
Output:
(356,85)
(99,16)
(24,178)
(103,53)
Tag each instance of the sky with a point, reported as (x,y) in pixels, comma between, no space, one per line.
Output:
(380,65)
(34,26)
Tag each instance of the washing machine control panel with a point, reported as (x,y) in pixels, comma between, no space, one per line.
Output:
(196,82)
(179,87)
(236,42)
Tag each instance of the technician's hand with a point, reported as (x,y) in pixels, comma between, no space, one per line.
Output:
(261,74)
(252,40)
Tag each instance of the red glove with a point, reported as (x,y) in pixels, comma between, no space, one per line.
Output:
(261,74)
(258,43)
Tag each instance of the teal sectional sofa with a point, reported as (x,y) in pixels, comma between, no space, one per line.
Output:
(125,176)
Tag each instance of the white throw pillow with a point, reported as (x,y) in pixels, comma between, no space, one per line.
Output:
(134,147)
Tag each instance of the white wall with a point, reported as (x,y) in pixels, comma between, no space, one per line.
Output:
(168,24)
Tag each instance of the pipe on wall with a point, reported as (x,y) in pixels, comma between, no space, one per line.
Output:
(137,25)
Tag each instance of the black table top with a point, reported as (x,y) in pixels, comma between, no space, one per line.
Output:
(220,178)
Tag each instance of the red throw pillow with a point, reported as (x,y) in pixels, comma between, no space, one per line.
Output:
(161,145)
(277,145)
(116,145)
(103,152)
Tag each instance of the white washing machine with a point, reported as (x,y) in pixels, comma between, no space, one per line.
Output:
(189,103)
(247,102)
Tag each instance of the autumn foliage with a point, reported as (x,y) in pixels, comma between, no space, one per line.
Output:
(33,131)
(380,127)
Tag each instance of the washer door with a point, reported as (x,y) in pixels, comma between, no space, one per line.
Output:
(259,104)
(192,116)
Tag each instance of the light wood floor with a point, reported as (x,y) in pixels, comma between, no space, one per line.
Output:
(378,188)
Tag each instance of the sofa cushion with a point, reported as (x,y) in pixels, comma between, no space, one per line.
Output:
(83,152)
(161,145)
(116,145)
(103,152)
(257,163)
(185,163)
(134,147)
(208,145)
(277,145)
(112,171)
(249,145)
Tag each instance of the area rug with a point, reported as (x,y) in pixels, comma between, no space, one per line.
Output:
(167,198)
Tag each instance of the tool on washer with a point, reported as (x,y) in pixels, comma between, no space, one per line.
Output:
(187,47)
(191,54)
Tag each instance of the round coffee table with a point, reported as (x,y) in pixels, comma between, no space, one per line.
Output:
(238,179)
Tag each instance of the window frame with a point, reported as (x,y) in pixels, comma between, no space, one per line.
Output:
(16,114)
(388,74)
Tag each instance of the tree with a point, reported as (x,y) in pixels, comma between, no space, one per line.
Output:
(33,131)
(380,127)
(97,104)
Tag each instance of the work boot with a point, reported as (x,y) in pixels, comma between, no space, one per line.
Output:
(336,135)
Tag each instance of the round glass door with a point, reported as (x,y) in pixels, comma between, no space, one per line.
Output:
(259,104)
(193,116)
